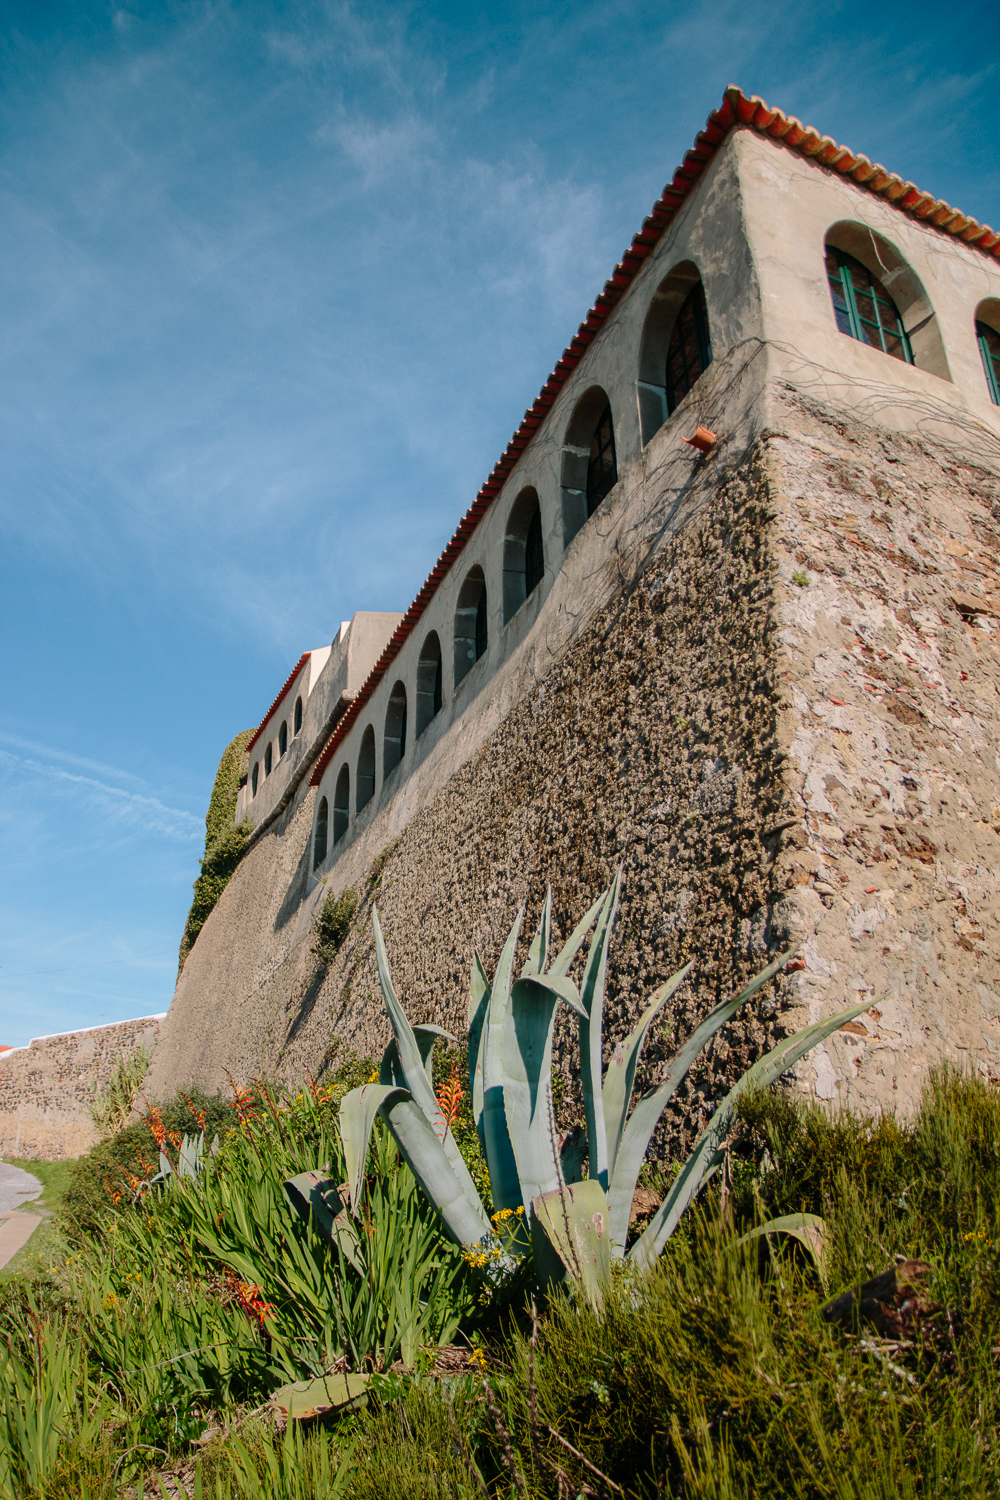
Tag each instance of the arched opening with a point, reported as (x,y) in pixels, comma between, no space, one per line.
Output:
(267,761)
(297,720)
(342,805)
(523,553)
(282,738)
(429,681)
(320,836)
(253,778)
(366,769)
(471,630)
(676,346)
(988,339)
(879,299)
(394,742)
(589,460)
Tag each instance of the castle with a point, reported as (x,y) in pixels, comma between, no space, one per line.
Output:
(725,614)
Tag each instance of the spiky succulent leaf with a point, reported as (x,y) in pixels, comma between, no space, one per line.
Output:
(808,1230)
(692,1175)
(479,1001)
(538,953)
(315,1197)
(636,1134)
(591,1034)
(426,1036)
(563,961)
(310,1398)
(456,1198)
(527,1087)
(620,1077)
(504,1184)
(413,1045)
(574,1220)
(358,1109)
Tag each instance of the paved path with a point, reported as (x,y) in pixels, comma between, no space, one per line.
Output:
(16,1187)
(15,1230)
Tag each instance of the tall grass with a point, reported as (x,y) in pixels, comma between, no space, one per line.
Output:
(717,1377)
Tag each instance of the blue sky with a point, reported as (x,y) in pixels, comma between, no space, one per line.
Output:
(276,284)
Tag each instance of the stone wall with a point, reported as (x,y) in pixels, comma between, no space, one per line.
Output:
(650,745)
(45,1088)
(888,550)
(782,724)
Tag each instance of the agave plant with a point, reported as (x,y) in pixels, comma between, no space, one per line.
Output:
(574,1225)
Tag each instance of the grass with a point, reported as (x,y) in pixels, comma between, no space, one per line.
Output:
(717,1377)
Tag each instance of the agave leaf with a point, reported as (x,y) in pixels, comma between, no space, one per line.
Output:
(357,1116)
(572,1156)
(413,1045)
(424,1153)
(500,1160)
(591,1031)
(574,1221)
(310,1398)
(315,1196)
(527,1087)
(692,1175)
(562,963)
(809,1230)
(620,1077)
(636,1134)
(391,1069)
(538,953)
(479,1001)
(190,1154)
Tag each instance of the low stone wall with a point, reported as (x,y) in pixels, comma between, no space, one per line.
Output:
(45,1088)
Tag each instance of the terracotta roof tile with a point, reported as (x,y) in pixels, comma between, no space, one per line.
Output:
(288,682)
(736,109)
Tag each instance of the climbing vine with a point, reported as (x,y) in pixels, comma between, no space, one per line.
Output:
(224,840)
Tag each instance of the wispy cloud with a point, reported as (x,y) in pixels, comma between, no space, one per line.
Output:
(116,803)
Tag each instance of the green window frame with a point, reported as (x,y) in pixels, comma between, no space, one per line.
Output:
(863,308)
(989,352)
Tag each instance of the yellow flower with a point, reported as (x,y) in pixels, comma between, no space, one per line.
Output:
(477,1359)
(374,1077)
(110,1300)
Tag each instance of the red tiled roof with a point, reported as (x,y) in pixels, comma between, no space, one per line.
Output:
(736,109)
(288,682)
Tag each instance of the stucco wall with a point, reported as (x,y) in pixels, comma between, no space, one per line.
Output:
(45,1088)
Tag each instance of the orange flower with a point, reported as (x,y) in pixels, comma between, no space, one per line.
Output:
(450,1095)
(250,1298)
(154,1119)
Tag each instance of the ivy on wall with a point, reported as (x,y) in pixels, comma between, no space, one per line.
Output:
(224,840)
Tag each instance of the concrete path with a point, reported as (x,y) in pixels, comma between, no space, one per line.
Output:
(16,1187)
(15,1230)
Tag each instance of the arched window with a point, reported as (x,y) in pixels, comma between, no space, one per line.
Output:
(253,778)
(394,742)
(689,352)
(366,769)
(282,738)
(523,556)
(297,721)
(429,682)
(319,838)
(588,450)
(988,339)
(470,623)
(602,468)
(863,307)
(342,805)
(267,761)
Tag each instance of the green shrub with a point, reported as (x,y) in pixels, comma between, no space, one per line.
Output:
(224,842)
(333,923)
(112,1105)
(103,1173)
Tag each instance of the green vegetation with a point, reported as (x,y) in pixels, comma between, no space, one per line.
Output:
(715,1376)
(112,1105)
(333,923)
(224,841)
